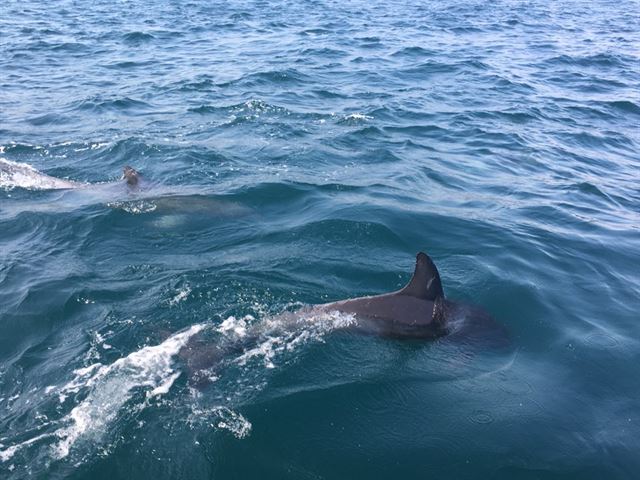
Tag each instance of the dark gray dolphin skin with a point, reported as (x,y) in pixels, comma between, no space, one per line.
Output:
(416,311)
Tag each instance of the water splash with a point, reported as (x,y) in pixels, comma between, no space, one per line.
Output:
(108,389)
(23,175)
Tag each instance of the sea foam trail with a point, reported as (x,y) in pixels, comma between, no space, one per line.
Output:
(253,346)
(110,387)
(23,175)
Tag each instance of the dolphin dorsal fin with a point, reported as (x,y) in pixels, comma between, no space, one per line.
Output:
(425,282)
(131,175)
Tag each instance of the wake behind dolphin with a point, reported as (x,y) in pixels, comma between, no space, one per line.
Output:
(22,175)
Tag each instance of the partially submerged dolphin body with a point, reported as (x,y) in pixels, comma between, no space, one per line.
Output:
(172,205)
(417,311)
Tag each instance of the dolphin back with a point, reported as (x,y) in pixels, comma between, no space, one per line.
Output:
(418,310)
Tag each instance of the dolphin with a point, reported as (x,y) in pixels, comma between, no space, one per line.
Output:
(420,310)
(172,205)
(417,311)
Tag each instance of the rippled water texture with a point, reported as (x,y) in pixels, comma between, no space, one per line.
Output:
(297,153)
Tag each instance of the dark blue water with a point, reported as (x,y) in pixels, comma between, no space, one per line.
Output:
(299,153)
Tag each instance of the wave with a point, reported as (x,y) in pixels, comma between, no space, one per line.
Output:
(599,60)
(202,83)
(56,46)
(136,38)
(413,52)
(286,77)
(323,52)
(129,64)
(49,119)
(250,107)
(626,106)
(428,68)
(99,104)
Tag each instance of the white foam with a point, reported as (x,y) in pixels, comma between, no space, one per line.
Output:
(266,349)
(135,207)
(358,116)
(112,385)
(269,338)
(236,326)
(280,335)
(163,388)
(222,418)
(8,453)
(109,388)
(232,421)
(181,295)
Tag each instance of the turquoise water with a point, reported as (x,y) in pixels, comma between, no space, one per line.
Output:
(299,153)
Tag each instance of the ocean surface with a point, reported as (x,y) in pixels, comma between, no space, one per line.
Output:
(296,153)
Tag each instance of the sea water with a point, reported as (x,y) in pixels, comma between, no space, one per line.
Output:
(311,149)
